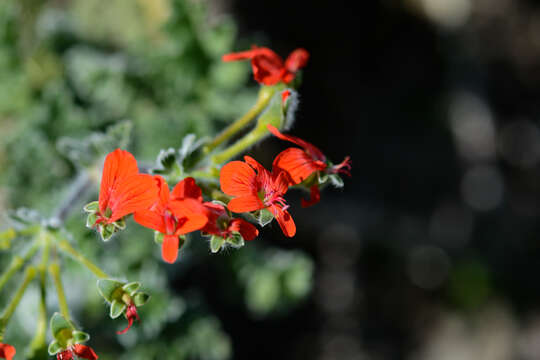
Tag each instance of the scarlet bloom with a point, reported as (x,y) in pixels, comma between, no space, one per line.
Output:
(81,351)
(123,190)
(173,215)
(256,188)
(268,67)
(131,314)
(300,164)
(7,351)
(222,225)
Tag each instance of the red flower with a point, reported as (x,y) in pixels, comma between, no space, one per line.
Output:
(131,314)
(79,350)
(268,67)
(172,216)
(123,190)
(221,224)
(7,351)
(256,188)
(301,163)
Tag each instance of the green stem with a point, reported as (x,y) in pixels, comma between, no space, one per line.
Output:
(38,342)
(18,262)
(54,270)
(265,95)
(12,306)
(68,249)
(241,145)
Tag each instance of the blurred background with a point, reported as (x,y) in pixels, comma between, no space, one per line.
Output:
(431,250)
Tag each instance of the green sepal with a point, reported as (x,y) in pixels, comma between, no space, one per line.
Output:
(236,240)
(80,336)
(322,177)
(91,220)
(59,325)
(54,348)
(6,237)
(117,308)
(91,207)
(158,237)
(131,287)
(107,232)
(140,299)
(216,242)
(107,288)
(120,224)
(336,180)
(264,217)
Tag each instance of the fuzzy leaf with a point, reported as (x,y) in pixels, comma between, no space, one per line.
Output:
(117,308)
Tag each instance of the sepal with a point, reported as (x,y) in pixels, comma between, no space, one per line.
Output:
(158,237)
(80,336)
(91,207)
(117,308)
(61,329)
(54,348)
(132,287)
(236,240)
(109,289)
(336,180)
(264,217)
(216,242)
(140,299)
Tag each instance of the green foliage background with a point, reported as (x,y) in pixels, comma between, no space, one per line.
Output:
(69,69)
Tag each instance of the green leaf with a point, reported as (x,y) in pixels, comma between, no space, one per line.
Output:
(117,308)
(165,161)
(80,336)
(158,237)
(236,240)
(91,220)
(107,288)
(140,299)
(91,207)
(264,217)
(58,326)
(54,348)
(215,243)
(131,287)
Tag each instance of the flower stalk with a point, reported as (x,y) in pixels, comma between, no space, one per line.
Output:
(18,262)
(65,247)
(54,270)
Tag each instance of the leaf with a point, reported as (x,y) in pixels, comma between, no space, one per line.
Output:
(140,299)
(117,308)
(131,287)
(108,287)
(215,243)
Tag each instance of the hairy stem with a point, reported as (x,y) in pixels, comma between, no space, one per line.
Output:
(265,95)
(17,262)
(12,306)
(241,145)
(65,247)
(54,270)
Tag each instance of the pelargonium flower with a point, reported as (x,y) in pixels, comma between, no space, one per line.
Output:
(172,216)
(256,188)
(268,67)
(300,164)
(222,225)
(131,314)
(7,351)
(81,351)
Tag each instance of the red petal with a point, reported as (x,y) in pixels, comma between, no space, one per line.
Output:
(237,179)
(135,193)
(297,163)
(213,212)
(118,165)
(187,188)
(130,322)
(192,211)
(267,70)
(86,352)
(311,149)
(245,203)
(152,219)
(7,351)
(65,355)
(246,229)
(169,248)
(315,197)
(296,60)
(248,54)
(284,220)
(163,189)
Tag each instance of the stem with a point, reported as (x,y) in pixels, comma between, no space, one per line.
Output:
(17,263)
(54,270)
(38,341)
(241,145)
(80,186)
(10,309)
(68,249)
(264,97)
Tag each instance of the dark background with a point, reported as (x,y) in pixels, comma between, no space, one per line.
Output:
(439,219)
